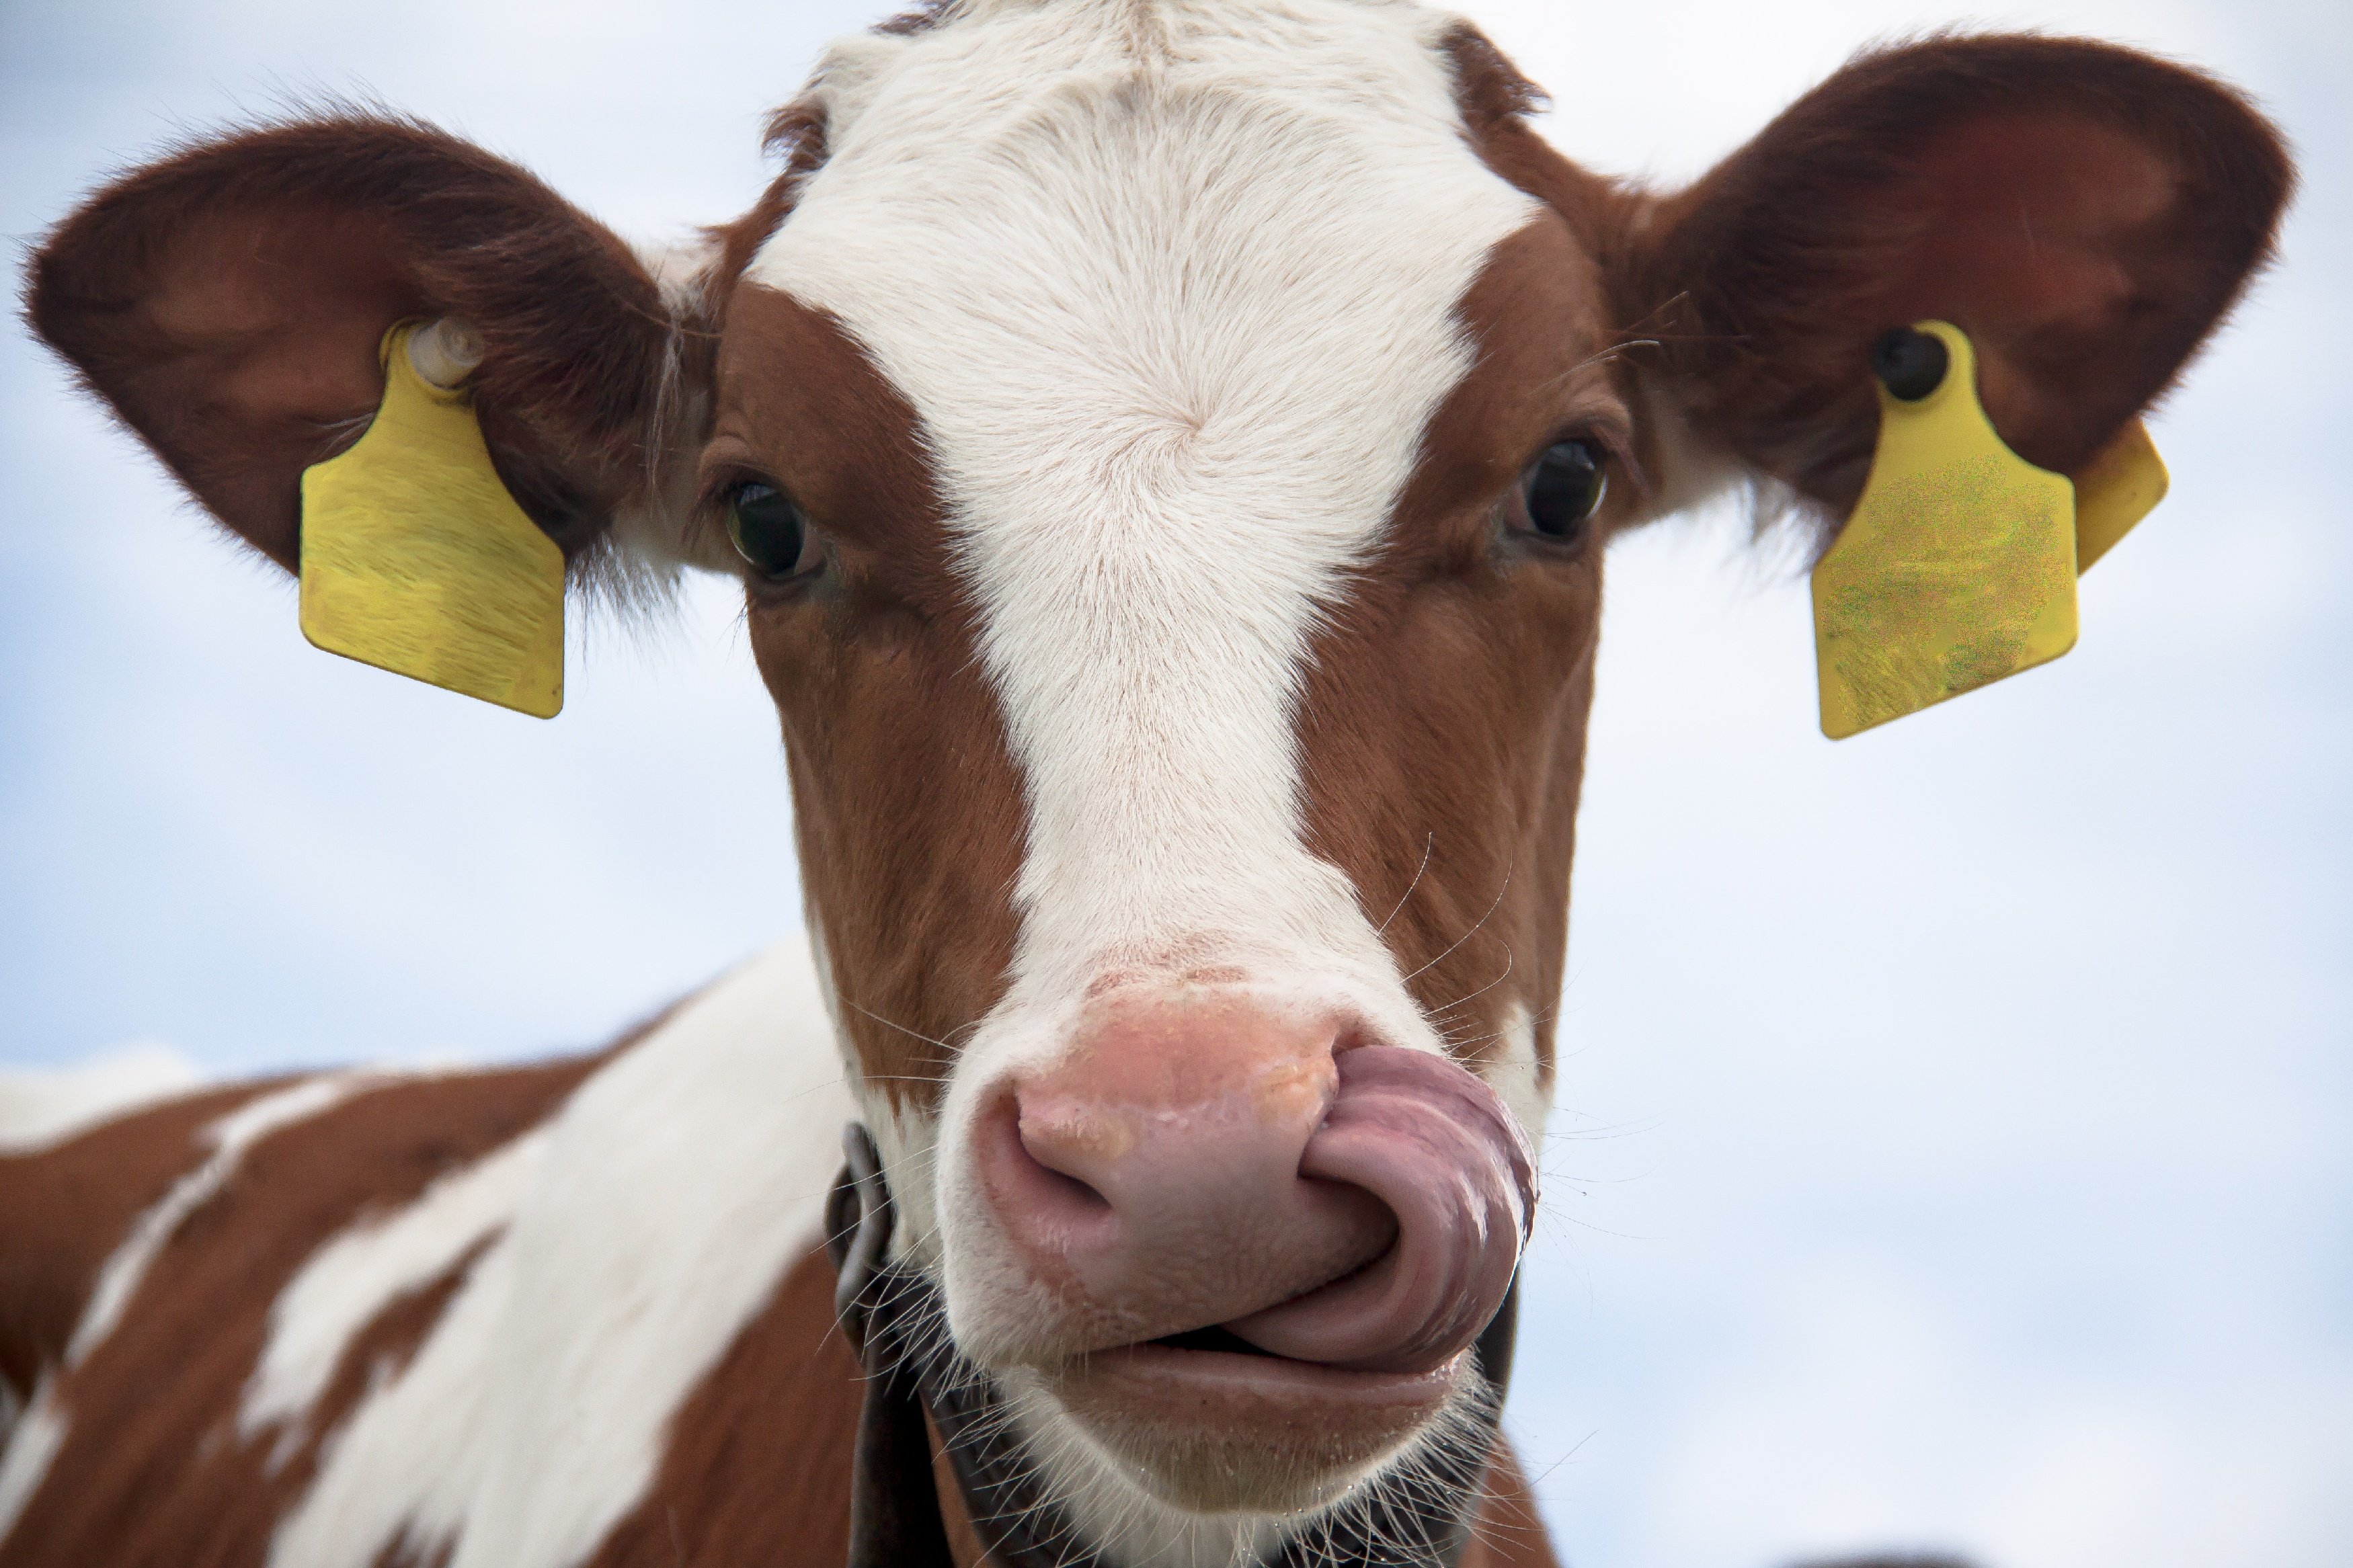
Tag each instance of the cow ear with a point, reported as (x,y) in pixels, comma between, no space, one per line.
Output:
(231,304)
(2085,214)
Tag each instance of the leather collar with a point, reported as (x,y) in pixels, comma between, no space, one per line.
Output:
(895,1506)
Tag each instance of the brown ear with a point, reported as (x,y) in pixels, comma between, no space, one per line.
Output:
(229,301)
(2085,212)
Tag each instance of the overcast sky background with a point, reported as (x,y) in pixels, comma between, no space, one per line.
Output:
(1954,1146)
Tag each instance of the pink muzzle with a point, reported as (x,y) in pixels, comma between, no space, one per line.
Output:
(1214,1164)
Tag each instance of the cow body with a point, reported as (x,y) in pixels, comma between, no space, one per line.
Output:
(1168,446)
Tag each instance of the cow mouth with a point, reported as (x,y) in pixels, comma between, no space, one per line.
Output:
(1387,1237)
(1223,1360)
(1216,1338)
(1209,1366)
(1215,1424)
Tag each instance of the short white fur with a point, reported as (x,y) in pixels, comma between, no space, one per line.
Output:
(33,1439)
(43,1108)
(351,1278)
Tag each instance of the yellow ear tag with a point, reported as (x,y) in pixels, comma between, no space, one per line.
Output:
(1958,566)
(2123,485)
(415,558)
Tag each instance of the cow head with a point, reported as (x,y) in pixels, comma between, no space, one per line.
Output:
(1169,451)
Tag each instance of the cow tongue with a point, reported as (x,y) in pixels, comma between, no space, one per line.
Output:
(1437,1146)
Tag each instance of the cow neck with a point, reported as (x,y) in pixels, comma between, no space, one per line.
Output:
(895,1516)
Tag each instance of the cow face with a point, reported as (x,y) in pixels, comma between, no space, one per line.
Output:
(1190,485)
(1168,453)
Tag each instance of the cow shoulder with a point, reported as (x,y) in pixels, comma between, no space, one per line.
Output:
(153,1250)
(757,1468)
(66,1207)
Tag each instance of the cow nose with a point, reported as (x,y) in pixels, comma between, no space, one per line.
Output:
(1218,1162)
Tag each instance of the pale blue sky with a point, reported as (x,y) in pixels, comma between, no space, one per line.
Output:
(1956,1141)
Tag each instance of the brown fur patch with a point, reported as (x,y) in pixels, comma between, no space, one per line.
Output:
(906,801)
(65,1209)
(1605,214)
(1507,1532)
(152,1470)
(757,1469)
(1449,799)
(382,1349)
(796,136)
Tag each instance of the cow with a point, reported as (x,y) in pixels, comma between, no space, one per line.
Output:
(1168,448)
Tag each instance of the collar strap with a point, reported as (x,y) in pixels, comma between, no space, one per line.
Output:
(894,1511)
(895,1508)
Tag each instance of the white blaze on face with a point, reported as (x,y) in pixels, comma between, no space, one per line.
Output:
(1172,289)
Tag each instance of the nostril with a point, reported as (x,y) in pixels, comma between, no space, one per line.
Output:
(1069,1188)
(1070,1147)
(1043,1201)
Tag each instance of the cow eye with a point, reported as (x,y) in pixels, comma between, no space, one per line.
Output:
(768,530)
(1564,489)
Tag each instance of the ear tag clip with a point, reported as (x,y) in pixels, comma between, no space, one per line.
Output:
(415,558)
(1958,566)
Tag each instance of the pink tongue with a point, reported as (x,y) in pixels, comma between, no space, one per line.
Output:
(1435,1145)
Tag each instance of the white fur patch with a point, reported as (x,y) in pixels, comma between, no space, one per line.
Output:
(643,1225)
(1513,1069)
(351,1278)
(1172,289)
(34,1440)
(40,1109)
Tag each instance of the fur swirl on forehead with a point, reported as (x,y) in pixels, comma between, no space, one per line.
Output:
(1140,37)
